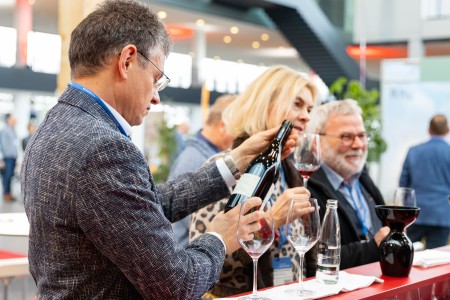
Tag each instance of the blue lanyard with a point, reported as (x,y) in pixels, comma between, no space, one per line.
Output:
(361,218)
(100,102)
(282,230)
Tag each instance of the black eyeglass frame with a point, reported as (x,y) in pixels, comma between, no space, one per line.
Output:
(348,139)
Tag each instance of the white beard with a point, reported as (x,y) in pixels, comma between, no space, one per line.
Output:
(340,165)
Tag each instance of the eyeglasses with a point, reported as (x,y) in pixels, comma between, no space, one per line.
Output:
(348,139)
(163,81)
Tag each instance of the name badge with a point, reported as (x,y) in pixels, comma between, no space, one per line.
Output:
(282,270)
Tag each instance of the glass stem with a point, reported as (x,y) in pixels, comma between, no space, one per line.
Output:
(305,182)
(255,275)
(300,272)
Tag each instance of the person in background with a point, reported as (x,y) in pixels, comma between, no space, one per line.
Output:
(31,130)
(9,149)
(99,226)
(427,170)
(181,133)
(279,93)
(208,141)
(342,176)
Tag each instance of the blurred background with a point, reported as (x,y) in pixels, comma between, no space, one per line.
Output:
(396,54)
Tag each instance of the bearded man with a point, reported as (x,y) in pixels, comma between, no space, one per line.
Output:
(342,176)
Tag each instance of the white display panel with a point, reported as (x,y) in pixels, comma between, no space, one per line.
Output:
(406,112)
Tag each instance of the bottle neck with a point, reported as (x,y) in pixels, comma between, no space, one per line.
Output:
(284,131)
(332,204)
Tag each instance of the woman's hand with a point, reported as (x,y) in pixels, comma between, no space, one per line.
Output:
(281,206)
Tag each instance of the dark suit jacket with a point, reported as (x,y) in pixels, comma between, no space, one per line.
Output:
(99,227)
(353,251)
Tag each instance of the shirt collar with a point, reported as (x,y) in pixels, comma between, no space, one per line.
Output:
(119,118)
(337,180)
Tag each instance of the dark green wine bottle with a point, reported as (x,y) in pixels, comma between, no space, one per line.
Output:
(263,170)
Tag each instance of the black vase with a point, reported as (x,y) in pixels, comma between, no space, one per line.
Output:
(396,250)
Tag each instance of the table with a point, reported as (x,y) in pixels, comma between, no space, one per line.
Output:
(422,283)
(14,224)
(12,264)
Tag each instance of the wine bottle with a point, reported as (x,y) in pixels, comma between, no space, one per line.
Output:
(262,172)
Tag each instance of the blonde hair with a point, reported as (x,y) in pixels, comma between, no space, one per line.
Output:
(272,92)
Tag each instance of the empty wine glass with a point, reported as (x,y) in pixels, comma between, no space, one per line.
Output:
(307,155)
(256,237)
(405,197)
(303,232)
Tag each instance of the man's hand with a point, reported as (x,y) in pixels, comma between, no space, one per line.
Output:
(255,144)
(281,206)
(381,234)
(227,224)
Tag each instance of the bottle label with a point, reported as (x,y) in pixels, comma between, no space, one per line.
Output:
(246,184)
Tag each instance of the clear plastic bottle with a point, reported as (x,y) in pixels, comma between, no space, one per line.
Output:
(329,253)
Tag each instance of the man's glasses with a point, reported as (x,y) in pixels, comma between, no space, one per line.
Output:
(348,139)
(163,81)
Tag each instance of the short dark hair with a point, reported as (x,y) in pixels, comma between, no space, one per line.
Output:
(438,125)
(113,25)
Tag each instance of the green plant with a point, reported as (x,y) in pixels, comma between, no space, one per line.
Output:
(343,88)
(167,148)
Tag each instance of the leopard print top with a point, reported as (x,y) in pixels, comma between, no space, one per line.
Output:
(236,276)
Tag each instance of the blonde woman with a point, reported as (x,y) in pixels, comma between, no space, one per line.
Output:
(279,93)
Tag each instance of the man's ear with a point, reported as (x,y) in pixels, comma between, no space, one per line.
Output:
(127,56)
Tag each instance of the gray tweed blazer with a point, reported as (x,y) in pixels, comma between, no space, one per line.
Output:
(99,226)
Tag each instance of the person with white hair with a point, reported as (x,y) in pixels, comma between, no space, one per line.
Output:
(342,176)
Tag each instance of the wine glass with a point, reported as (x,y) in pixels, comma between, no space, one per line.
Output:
(303,232)
(256,237)
(307,155)
(405,197)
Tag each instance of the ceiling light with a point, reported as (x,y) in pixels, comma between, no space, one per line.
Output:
(162,14)
(200,22)
(255,45)
(227,39)
(234,30)
(265,37)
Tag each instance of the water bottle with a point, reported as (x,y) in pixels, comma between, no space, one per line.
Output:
(329,253)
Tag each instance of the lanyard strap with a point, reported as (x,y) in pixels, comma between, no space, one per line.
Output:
(100,102)
(361,218)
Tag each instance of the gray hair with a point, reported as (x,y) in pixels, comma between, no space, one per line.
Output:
(113,25)
(321,114)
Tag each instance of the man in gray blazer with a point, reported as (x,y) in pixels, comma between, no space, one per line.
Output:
(99,227)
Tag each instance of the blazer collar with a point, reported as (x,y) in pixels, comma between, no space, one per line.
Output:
(74,97)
